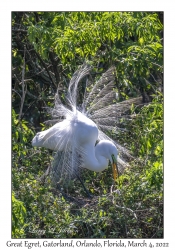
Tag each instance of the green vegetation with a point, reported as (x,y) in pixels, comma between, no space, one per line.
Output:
(47,47)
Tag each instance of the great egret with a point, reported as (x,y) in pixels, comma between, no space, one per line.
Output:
(75,137)
(78,131)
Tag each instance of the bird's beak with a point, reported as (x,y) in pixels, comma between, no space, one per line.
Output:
(115,168)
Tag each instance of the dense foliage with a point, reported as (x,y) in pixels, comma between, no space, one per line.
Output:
(47,47)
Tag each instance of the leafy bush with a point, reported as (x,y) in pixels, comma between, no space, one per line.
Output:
(18,217)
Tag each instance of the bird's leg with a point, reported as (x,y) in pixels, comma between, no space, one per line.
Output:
(85,189)
(69,198)
(64,194)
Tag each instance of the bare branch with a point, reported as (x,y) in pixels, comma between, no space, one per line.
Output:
(45,66)
(23,85)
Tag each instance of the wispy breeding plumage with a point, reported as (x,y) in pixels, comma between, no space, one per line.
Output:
(79,139)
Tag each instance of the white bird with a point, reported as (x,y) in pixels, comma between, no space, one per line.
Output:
(79,132)
(75,138)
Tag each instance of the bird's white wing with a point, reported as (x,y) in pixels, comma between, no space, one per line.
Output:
(68,155)
(55,138)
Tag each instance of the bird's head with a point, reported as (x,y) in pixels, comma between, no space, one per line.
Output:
(107,149)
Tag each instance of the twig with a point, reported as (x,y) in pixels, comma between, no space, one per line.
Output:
(19,30)
(17,93)
(55,65)
(45,66)
(128,209)
(124,208)
(157,65)
(23,86)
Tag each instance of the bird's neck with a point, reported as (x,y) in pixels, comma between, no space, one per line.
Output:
(92,160)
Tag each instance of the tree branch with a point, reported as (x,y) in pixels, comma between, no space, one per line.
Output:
(23,85)
(45,66)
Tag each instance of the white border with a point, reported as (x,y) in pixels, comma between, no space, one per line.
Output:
(5,96)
